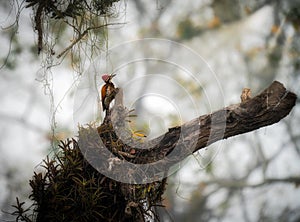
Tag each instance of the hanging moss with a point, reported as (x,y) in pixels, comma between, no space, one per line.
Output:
(59,9)
(81,13)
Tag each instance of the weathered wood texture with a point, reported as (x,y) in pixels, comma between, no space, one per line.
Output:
(267,108)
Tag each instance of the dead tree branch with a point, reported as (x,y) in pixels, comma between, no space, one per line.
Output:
(267,108)
(156,157)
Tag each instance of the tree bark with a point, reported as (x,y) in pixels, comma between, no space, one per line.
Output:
(156,159)
(136,172)
(267,108)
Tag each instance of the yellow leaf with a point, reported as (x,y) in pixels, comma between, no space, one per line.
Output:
(275,29)
(215,22)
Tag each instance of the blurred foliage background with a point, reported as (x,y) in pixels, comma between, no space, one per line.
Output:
(218,47)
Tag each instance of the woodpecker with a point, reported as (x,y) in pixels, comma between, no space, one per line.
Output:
(108,91)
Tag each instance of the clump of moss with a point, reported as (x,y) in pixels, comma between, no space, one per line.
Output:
(70,189)
(81,13)
(70,8)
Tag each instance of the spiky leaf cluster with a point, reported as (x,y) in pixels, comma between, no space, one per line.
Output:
(70,189)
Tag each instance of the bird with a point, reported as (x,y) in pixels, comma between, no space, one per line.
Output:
(108,91)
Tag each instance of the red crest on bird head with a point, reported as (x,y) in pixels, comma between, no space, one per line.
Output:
(107,77)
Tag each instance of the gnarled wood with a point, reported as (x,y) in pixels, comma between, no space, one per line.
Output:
(155,157)
(267,108)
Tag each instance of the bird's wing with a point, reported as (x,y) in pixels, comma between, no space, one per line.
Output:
(103,94)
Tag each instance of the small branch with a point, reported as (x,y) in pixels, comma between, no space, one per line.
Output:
(81,35)
(237,184)
(124,154)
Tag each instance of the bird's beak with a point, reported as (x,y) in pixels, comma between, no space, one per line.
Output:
(112,75)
